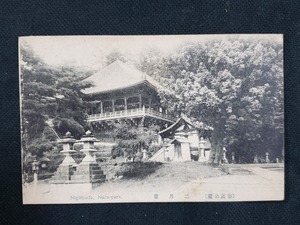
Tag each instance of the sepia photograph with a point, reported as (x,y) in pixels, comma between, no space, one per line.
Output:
(157,118)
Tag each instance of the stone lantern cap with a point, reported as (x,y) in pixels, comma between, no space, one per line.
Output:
(88,142)
(68,138)
(45,159)
(88,137)
(68,151)
(202,141)
(35,162)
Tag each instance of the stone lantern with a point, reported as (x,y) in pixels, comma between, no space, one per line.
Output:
(35,166)
(88,141)
(88,173)
(66,168)
(224,158)
(35,169)
(67,151)
(201,149)
(267,157)
(255,159)
(232,157)
(44,162)
(145,157)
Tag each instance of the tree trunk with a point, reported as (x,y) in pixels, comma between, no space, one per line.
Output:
(216,151)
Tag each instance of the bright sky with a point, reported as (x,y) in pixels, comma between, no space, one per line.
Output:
(88,51)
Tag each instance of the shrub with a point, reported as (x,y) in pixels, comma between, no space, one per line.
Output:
(137,169)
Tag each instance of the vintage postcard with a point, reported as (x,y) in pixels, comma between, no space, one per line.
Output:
(169,118)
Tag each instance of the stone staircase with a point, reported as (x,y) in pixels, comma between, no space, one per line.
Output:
(158,155)
(88,173)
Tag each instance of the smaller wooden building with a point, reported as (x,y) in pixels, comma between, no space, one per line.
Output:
(182,142)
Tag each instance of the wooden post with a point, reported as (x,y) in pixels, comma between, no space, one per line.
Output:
(101,107)
(125,103)
(149,103)
(140,100)
(113,105)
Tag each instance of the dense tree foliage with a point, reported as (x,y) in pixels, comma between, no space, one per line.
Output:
(113,56)
(235,86)
(131,140)
(51,104)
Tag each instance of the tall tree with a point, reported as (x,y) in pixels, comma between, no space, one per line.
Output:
(153,63)
(113,56)
(50,96)
(235,86)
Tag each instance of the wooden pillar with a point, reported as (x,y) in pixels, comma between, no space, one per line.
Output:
(101,107)
(125,103)
(140,100)
(113,105)
(149,103)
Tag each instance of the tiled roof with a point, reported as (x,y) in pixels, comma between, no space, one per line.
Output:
(174,125)
(183,118)
(118,75)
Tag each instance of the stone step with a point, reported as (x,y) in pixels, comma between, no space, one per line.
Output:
(86,177)
(94,180)
(87,181)
(236,170)
(56,178)
(239,171)
(88,172)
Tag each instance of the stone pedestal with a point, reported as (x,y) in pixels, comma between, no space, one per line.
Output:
(82,177)
(63,174)
(88,171)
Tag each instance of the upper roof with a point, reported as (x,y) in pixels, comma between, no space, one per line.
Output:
(118,75)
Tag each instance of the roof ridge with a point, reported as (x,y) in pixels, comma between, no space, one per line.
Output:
(118,75)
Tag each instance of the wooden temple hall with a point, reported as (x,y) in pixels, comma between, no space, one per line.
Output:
(121,92)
